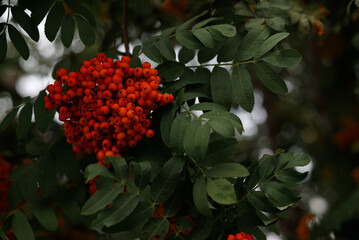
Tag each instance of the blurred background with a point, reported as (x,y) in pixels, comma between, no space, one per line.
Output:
(319,115)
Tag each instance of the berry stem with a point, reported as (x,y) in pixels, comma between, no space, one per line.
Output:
(124,27)
(194,115)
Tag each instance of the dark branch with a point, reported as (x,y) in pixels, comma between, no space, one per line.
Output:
(124,27)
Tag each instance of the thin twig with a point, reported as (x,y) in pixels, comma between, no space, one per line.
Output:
(124,27)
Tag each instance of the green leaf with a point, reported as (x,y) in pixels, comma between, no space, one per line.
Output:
(204,36)
(242,88)
(357,3)
(223,122)
(186,24)
(277,23)
(188,40)
(217,35)
(136,50)
(139,217)
(67,30)
(279,193)
(9,119)
(135,62)
(47,176)
(226,30)
(206,54)
(54,20)
(167,32)
(207,106)
(29,182)
(185,55)
(229,48)
(196,138)
(3,47)
(259,201)
(94,170)
(220,151)
(84,12)
(202,230)
(221,87)
(242,9)
(101,198)
(169,71)
(86,31)
(205,22)
(251,42)
(21,227)
(253,22)
(36,146)
(225,170)
(39,11)
(43,117)
(284,58)
(142,174)
(269,43)
(166,123)
(151,51)
(165,47)
(46,215)
(270,78)
(3,8)
(66,160)
(266,166)
(221,191)
(25,22)
(24,121)
(19,42)
(290,176)
(178,129)
(120,166)
(156,226)
(200,197)
(299,160)
(282,160)
(165,183)
(119,210)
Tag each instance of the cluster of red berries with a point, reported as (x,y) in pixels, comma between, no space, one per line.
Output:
(5,185)
(240,236)
(105,106)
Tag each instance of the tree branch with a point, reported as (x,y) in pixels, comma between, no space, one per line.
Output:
(124,27)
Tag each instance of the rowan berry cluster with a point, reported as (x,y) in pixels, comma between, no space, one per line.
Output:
(5,185)
(240,236)
(106,105)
